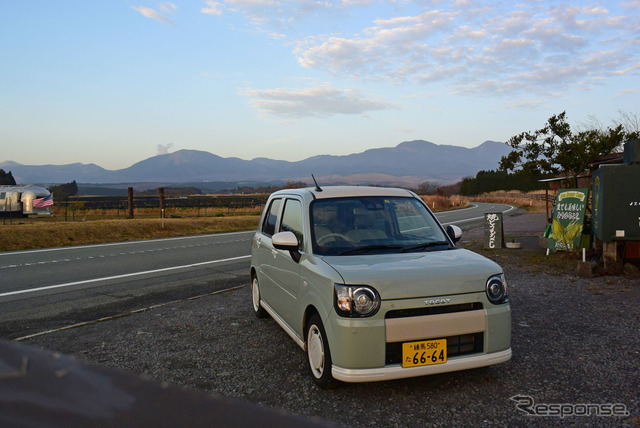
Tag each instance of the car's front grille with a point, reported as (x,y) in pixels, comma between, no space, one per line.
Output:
(433,310)
(456,345)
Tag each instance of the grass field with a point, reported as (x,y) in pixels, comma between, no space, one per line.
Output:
(79,227)
(28,234)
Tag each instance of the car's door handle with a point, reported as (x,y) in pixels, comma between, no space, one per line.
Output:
(274,252)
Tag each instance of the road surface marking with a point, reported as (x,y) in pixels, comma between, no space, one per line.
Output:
(127,275)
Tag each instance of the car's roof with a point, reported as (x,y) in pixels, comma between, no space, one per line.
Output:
(349,191)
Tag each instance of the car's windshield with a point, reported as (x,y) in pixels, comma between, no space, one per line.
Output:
(350,226)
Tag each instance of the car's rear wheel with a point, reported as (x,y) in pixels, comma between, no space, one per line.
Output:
(255,298)
(318,353)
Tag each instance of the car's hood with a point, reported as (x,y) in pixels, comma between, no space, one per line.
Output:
(416,275)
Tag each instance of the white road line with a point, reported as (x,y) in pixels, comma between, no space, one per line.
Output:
(137,311)
(127,275)
(471,207)
(477,218)
(124,254)
(75,247)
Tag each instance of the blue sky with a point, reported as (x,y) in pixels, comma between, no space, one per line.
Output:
(114,82)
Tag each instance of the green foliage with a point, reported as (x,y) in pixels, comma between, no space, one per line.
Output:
(555,148)
(490,181)
(62,192)
(6,178)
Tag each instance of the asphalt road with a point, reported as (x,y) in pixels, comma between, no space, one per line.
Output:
(49,288)
(467,218)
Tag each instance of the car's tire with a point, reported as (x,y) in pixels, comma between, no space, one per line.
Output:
(255,298)
(318,353)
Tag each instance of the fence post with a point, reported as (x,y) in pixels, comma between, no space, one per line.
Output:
(130,205)
(161,193)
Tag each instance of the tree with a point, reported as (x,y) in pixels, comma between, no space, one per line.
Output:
(427,188)
(62,191)
(490,181)
(6,178)
(556,149)
(291,184)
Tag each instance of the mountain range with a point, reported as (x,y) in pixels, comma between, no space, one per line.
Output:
(408,163)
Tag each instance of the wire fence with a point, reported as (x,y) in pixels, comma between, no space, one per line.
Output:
(105,207)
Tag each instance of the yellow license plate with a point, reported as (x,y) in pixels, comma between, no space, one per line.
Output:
(424,353)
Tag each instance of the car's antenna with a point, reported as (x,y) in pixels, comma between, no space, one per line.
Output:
(318,188)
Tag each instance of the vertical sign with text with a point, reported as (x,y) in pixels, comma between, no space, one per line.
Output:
(493,231)
(568,219)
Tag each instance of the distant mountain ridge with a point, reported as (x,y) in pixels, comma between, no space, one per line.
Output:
(408,163)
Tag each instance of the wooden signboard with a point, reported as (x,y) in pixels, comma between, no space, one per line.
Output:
(493,231)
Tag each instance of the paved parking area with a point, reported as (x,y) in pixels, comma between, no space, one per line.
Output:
(575,343)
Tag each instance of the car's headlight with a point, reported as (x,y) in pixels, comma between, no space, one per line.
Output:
(497,289)
(356,300)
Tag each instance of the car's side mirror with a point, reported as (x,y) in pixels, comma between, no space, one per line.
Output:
(454,232)
(286,241)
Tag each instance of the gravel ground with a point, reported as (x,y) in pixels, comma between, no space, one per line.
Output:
(574,341)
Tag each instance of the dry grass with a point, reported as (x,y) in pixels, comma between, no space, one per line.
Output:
(445,203)
(83,227)
(531,201)
(30,234)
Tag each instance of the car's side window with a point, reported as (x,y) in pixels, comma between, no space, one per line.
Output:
(292,219)
(271,219)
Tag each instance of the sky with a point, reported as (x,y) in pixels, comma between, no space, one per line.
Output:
(113,82)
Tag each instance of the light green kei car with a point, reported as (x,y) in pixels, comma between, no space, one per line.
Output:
(372,287)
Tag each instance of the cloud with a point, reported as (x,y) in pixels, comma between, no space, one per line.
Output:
(212,8)
(624,92)
(631,4)
(153,14)
(631,68)
(530,47)
(472,46)
(524,104)
(164,149)
(313,102)
(168,7)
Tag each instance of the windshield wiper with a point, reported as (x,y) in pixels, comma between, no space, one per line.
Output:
(368,248)
(424,246)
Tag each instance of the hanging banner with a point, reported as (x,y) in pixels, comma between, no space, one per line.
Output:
(568,219)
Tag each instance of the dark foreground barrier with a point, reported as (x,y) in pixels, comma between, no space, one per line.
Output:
(43,389)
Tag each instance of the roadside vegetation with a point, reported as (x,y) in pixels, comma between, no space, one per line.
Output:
(551,150)
(92,226)
(530,201)
(29,234)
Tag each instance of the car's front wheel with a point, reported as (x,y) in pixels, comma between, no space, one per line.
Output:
(255,298)
(318,353)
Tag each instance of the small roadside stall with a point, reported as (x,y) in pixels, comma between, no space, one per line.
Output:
(598,210)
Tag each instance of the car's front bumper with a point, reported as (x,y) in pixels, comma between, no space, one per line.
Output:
(391,372)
